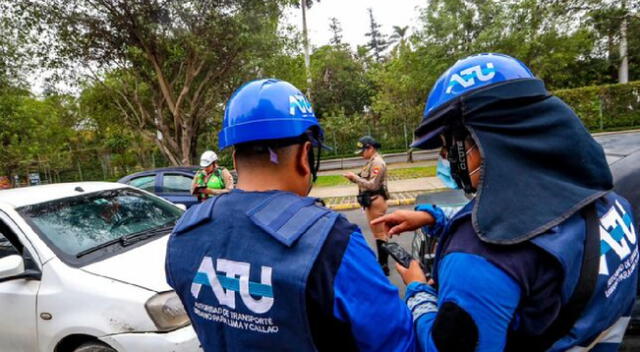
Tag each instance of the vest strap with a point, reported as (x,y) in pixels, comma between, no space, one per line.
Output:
(195,216)
(286,217)
(581,295)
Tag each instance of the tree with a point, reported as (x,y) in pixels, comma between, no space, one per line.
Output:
(13,51)
(399,36)
(340,82)
(336,31)
(178,60)
(377,41)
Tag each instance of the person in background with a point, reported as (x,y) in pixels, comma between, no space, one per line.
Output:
(372,192)
(211,179)
(544,257)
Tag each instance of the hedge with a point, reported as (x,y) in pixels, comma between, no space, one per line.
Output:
(605,107)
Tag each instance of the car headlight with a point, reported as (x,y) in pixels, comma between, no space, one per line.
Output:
(166,311)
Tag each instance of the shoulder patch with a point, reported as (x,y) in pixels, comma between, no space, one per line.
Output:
(286,217)
(375,170)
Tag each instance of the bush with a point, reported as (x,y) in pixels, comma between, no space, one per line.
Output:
(606,107)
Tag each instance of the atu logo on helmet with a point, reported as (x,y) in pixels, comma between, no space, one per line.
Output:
(224,287)
(299,102)
(467,77)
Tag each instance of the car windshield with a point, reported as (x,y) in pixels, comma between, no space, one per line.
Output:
(79,224)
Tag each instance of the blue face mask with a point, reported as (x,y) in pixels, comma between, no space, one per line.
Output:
(443,171)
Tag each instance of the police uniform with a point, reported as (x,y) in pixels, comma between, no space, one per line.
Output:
(373,194)
(219,179)
(372,182)
(275,271)
(544,258)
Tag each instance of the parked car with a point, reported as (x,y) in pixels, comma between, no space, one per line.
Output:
(172,184)
(82,269)
(623,155)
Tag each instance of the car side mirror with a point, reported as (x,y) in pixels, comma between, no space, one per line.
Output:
(12,267)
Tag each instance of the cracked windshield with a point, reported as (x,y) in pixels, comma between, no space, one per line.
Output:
(77,224)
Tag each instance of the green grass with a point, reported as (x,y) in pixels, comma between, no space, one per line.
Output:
(412,172)
(394,174)
(331,180)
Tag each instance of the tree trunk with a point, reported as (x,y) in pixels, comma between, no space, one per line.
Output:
(623,71)
(305,40)
(185,142)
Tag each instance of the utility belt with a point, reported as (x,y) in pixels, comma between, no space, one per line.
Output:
(365,198)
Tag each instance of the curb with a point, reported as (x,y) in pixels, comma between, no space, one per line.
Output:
(391,203)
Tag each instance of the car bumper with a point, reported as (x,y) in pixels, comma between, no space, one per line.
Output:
(181,340)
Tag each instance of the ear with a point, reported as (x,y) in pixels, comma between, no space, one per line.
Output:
(235,164)
(302,159)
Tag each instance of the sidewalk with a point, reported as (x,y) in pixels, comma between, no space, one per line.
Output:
(403,192)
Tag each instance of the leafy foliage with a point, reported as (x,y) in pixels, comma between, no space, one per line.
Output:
(340,82)
(377,41)
(178,61)
(153,75)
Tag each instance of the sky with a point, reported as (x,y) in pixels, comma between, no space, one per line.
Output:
(354,18)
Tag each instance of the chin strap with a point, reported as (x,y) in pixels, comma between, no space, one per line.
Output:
(314,158)
(457,154)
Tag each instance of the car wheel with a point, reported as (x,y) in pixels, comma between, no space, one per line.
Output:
(94,346)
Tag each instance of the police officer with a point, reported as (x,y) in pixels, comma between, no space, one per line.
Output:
(372,192)
(545,255)
(211,179)
(265,268)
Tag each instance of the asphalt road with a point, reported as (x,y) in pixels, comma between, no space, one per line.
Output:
(631,341)
(350,163)
(359,218)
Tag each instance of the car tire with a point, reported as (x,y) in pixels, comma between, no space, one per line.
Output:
(94,346)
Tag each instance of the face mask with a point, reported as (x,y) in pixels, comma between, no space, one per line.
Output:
(443,171)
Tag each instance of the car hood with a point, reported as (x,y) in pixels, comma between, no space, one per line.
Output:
(142,266)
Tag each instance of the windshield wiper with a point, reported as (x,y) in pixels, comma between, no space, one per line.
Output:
(143,235)
(129,239)
(98,247)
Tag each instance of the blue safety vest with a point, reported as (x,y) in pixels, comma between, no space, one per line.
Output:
(605,317)
(246,257)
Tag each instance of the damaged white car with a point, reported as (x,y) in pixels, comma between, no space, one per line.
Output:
(82,270)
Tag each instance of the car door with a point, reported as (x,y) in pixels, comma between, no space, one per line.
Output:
(176,187)
(148,182)
(18,296)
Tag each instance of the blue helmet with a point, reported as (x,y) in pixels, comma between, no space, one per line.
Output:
(466,75)
(266,109)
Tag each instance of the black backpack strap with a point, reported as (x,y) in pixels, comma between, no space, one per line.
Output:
(581,296)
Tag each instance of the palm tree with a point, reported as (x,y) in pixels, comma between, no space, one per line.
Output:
(399,36)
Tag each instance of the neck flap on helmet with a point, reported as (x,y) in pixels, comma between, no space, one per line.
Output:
(540,164)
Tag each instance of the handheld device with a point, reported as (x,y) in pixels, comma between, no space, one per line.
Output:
(398,253)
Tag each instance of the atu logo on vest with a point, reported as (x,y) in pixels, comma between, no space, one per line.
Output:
(467,77)
(616,234)
(236,280)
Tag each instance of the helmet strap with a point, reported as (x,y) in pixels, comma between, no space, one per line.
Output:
(314,161)
(457,155)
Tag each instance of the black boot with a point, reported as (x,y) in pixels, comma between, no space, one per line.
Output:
(383,257)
